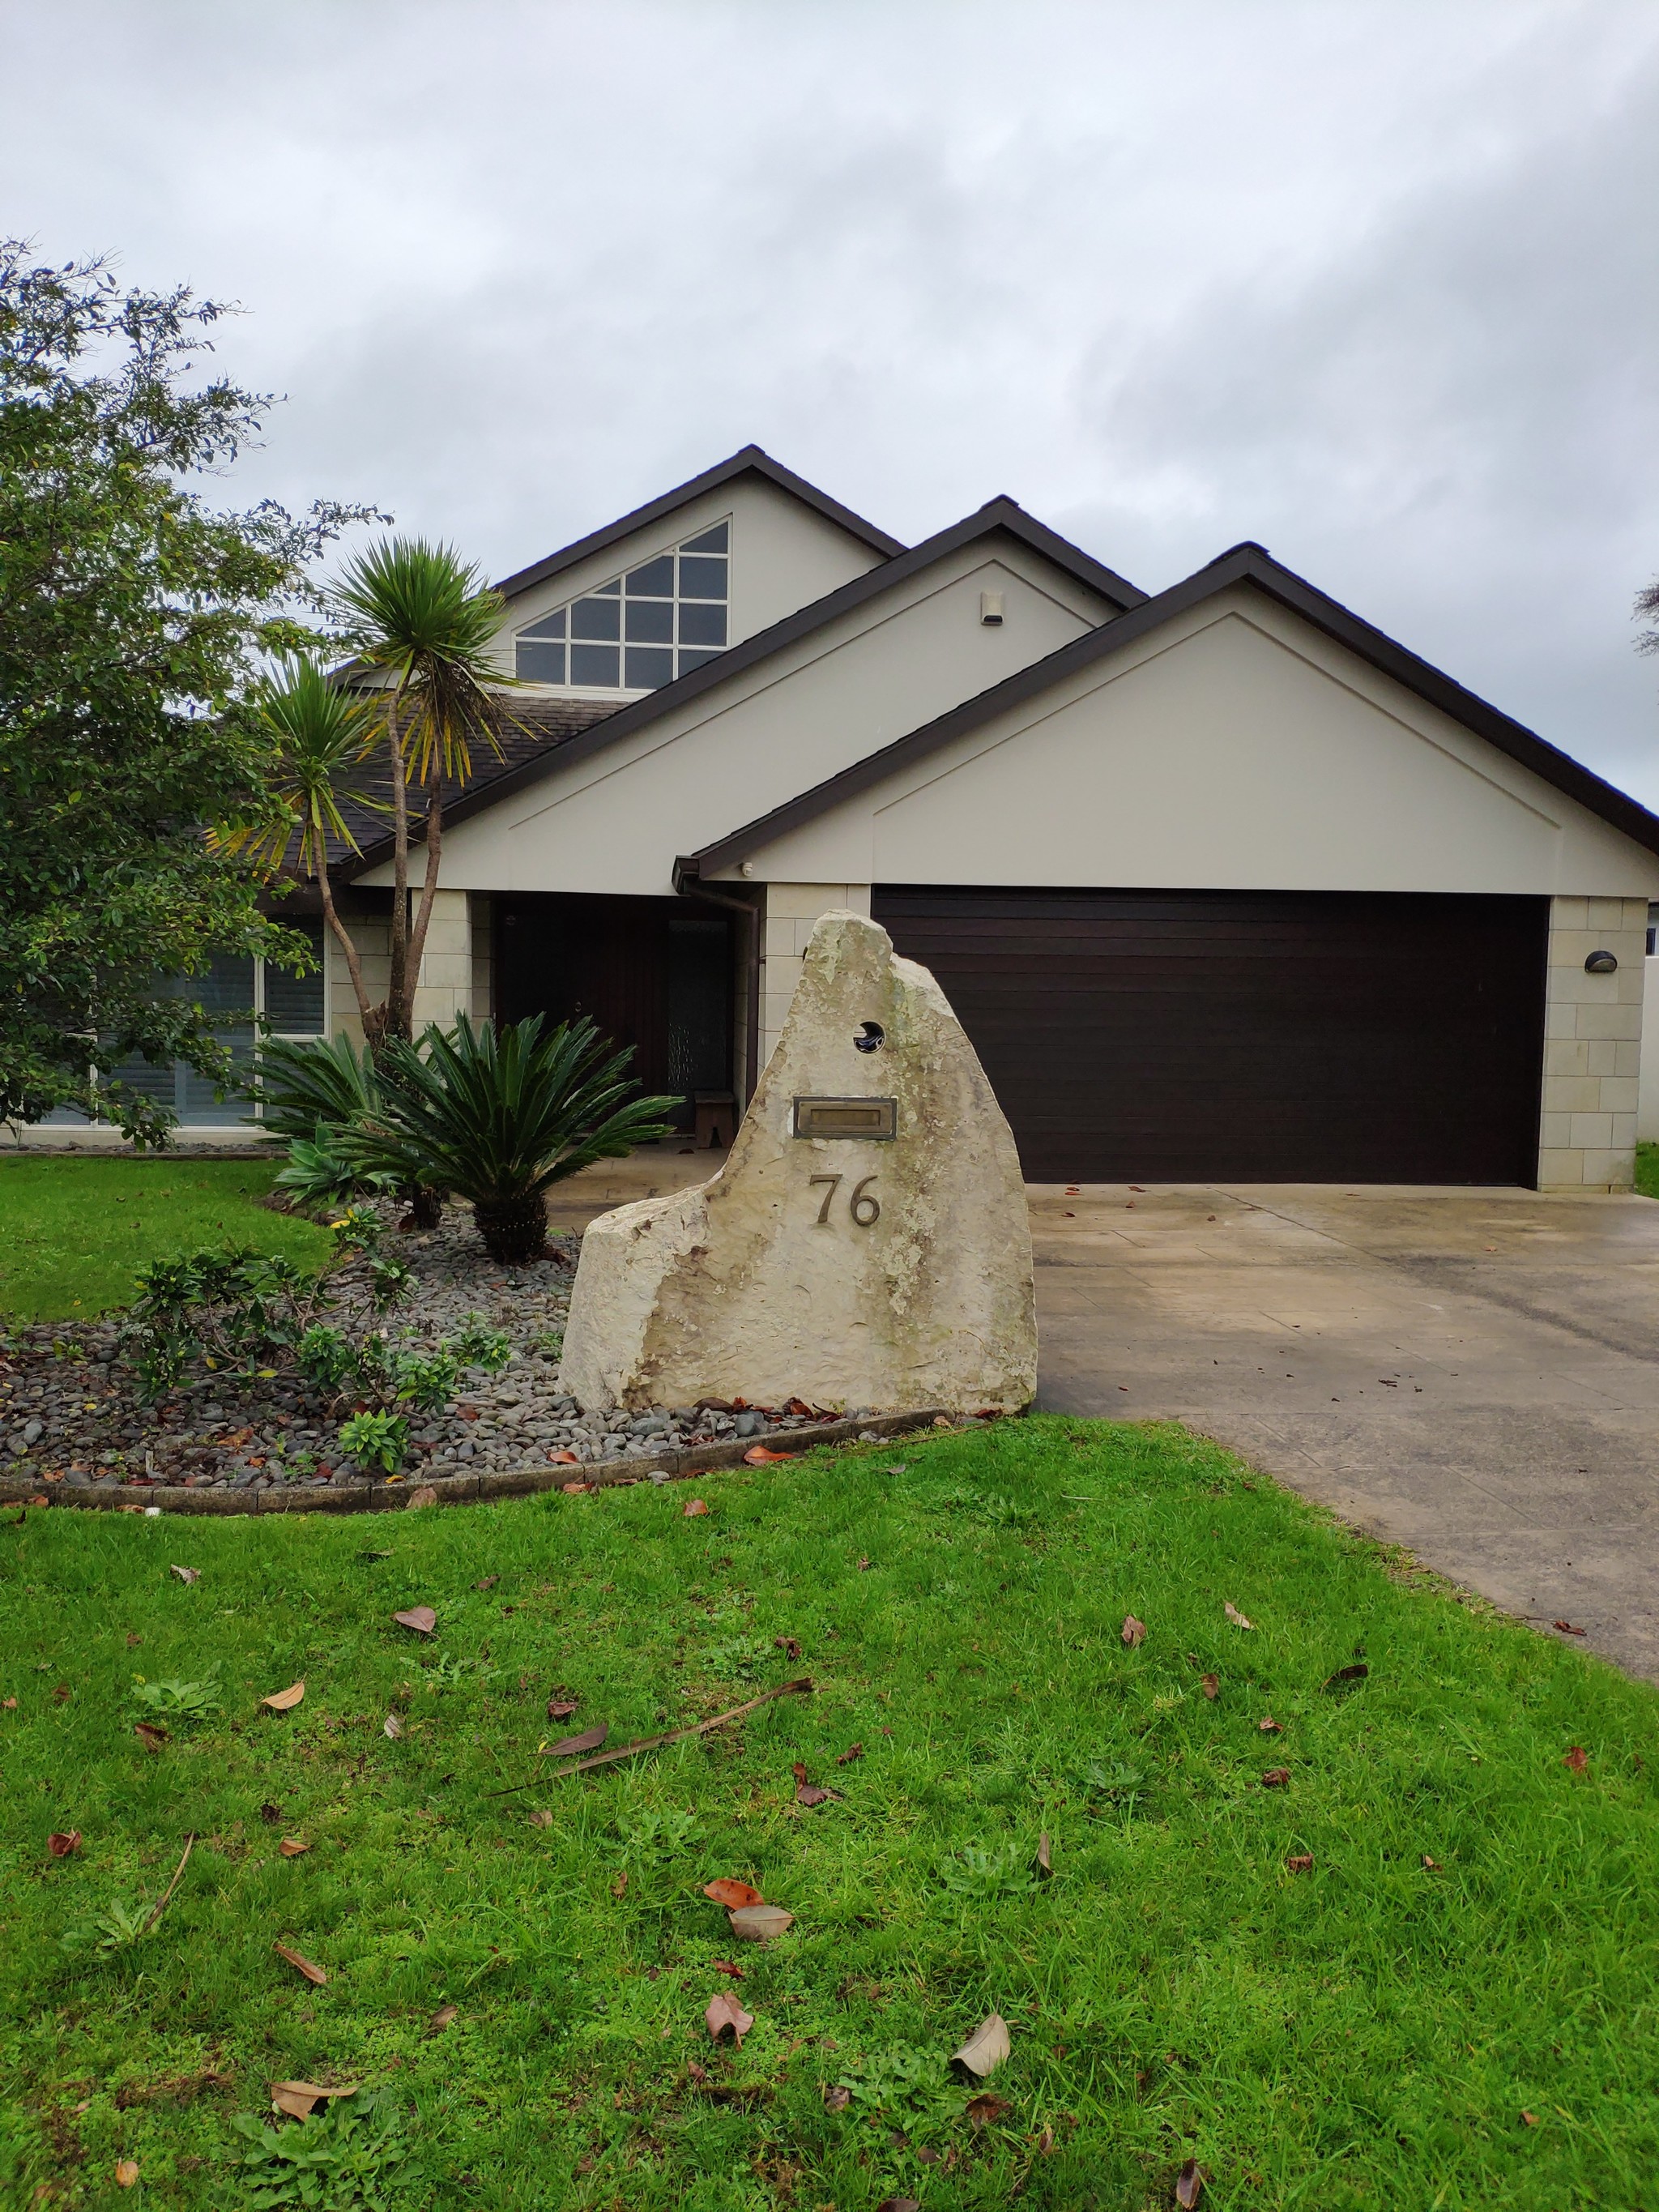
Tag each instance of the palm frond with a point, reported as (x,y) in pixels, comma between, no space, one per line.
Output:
(316,731)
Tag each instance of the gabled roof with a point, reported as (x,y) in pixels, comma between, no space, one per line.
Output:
(1242,564)
(998,516)
(749,461)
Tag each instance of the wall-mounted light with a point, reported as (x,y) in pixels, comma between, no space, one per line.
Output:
(1601,963)
(990,609)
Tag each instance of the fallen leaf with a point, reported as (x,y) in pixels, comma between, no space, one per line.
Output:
(426,1495)
(60,1695)
(1430,1866)
(126,2173)
(1045,2142)
(899,2204)
(864,1566)
(297,2098)
(575,1489)
(589,1740)
(1210,1686)
(1235,1615)
(1529,2119)
(837,2099)
(1269,1726)
(1190,2184)
(1301,1863)
(1276,1778)
(391,1726)
(441,2019)
(986,2108)
(559,1709)
(488,1583)
(853,1751)
(725,1967)
(292,1848)
(693,1507)
(9,1704)
(1577,1759)
(63,1842)
(272,1814)
(697,2073)
(1044,1865)
(563,1459)
(757,1455)
(724,2013)
(421,1617)
(1355,1673)
(731,1894)
(1134,1632)
(812,1793)
(760,1923)
(188,1574)
(986,2048)
(1567,1628)
(619,1887)
(789,1645)
(150,1734)
(284,1701)
(541,1819)
(311,1971)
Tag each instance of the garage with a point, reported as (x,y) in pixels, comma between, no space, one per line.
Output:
(1321,1036)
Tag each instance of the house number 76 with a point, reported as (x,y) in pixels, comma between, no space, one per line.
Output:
(864,1209)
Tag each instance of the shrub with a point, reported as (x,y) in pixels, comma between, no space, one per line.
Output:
(376,1440)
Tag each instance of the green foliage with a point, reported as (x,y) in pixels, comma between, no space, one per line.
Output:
(427,1379)
(379,1440)
(178,1700)
(478,1345)
(303,1083)
(342,2159)
(986,1873)
(133,617)
(117,1928)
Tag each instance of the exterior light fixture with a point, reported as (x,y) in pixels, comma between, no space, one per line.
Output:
(1601,963)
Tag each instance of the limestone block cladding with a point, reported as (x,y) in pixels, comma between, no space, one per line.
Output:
(888,1268)
(792,913)
(1592,1046)
(455,975)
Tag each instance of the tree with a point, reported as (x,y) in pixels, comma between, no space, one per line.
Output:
(1647,608)
(133,619)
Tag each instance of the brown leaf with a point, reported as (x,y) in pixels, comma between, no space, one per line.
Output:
(731,1894)
(541,1819)
(1045,2142)
(421,1617)
(1190,2184)
(1302,1863)
(760,1923)
(63,1842)
(811,1793)
(284,1701)
(150,1734)
(311,1971)
(488,1583)
(292,1848)
(1430,1866)
(559,1709)
(589,1740)
(758,1456)
(188,1574)
(986,2048)
(835,2098)
(789,1645)
(1276,1778)
(126,2173)
(271,1815)
(1045,1865)
(1577,1759)
(1354,1674)
(697,2073)
(1269,1726)
(725,1967)
(853,1751)
(391,1726)
(693,1507)
(1210,1686)
(986,2108)
(1235,1615)
(60,1695)
(1567,1628)
(1134,1632)
(577,1489)
(298,2099)
(441,2019)
(724,2013)
(619,1887)
(9,1704)
(426,1495)
(1529,2119)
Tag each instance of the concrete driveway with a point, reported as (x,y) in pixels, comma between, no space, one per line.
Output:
(1474,1374)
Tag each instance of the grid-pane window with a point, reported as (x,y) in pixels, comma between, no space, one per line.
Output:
(642,630)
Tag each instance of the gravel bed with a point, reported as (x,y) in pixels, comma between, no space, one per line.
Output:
(70,1410)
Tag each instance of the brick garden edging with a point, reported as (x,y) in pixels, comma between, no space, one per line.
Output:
(465,1489)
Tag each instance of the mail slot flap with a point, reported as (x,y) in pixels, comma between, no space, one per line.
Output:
(873,1119)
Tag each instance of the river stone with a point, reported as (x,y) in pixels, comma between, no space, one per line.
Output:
(735,1288)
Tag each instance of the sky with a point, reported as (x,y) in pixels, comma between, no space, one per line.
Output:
(1376,285)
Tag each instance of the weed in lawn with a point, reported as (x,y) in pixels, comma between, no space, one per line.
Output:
(180,1701)
(341,2158)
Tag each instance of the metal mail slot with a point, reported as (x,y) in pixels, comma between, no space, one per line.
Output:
(876,1119)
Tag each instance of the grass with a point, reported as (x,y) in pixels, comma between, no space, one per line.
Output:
(1647,1171)
(74,1231)
(1368,2031)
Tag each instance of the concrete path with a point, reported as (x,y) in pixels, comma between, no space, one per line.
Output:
(1474,1374)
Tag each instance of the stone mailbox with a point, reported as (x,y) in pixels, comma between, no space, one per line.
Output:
(866,1243)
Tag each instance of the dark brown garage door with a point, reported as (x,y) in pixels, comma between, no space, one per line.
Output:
(1267,1036)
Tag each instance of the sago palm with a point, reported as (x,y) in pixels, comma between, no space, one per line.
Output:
(499,1115)
(423,620)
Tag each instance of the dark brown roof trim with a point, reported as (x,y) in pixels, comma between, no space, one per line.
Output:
(1243,564)
(996,515)
(750,461)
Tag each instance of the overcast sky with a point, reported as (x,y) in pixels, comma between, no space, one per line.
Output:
(1376,285)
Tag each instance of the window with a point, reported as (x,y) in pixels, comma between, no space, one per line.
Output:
(641,630)
(294,1006)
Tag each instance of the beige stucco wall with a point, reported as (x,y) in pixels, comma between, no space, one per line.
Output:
(1592,1046)
(617,820)
(1234,749)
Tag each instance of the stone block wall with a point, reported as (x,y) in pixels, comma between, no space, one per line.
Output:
(1592,1046)
(455,967)
(787,918)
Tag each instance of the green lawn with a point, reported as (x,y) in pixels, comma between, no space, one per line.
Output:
(1647,1171)
(1370,2031)
(73,1231)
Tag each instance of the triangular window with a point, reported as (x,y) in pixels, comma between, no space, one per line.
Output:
(643,629)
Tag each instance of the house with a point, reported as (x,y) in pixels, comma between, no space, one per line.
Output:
(1222,881)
